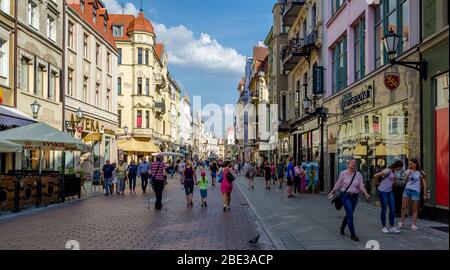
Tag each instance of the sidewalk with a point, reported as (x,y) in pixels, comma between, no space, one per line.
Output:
(310,222)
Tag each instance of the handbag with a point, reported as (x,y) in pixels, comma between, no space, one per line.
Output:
(338,199)
(153,178)
(230,177)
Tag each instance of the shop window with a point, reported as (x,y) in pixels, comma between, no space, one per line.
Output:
(96,154)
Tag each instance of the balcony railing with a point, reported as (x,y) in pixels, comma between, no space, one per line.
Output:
(160,81)
(160,107)
(290,10)
(297,48)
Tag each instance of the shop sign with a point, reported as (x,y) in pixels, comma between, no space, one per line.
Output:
(392,80)
(109,132)
(350,102)
(89,125)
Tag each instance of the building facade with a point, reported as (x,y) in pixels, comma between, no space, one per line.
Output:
(186,127)
(435,98)
(374,108)
(7,24)
(39,66)
(141,83)
(91,85)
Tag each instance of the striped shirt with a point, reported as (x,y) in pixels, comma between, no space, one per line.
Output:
(158,175)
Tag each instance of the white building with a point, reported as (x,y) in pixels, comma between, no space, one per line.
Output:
(186,125)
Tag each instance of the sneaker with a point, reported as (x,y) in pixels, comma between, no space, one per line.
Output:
(229,208)
(354,238)
(224,208)
(394,230)
(203,205)
(206,205)
(385,230)
(192,204)
(414,227)
(400,225)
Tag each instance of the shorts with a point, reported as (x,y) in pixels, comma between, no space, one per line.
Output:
(213,174)
(412,194)
(274,177)
(289,181)
(280,176)
(203,193)
(268,178)
(189,187)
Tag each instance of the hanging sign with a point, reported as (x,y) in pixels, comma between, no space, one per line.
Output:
(392,80)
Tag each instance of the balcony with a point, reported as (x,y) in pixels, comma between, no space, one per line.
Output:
(160,81)
(160,108)
(254,97)
(297,48)
(283,126)
(290,10)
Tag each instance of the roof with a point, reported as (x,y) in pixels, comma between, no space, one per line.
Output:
(159,48)
(130,24)
(87,17)
(259,53)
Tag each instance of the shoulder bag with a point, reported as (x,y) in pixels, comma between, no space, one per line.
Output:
(338,199)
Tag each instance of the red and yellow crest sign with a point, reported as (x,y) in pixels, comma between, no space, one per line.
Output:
(392,80)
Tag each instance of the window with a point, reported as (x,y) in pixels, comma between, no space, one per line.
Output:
(105,24)
(379,48)
(147,53)
(119,86)
(3,61)
(313,16)
(393,125)
(119,118)
(82,6)
(147,87)
(4,6)
(85,89)
(119,58)
(70,82)
(117,30)
(339,65)
(97,95)
(147,119)
(97,54)
(32,14)
(304,27)
(108,62)
(335,5)
(70,33)
(51,28)
(39,86)
(94,14)
(139,56)
(283,107)
(360,30)
(366,124)
(139,119)
(404,7)
(24,73)
(108,99)
(52,85)
(85,46)
(441,84)
(139,90)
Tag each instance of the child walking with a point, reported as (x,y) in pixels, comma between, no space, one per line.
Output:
(203,186)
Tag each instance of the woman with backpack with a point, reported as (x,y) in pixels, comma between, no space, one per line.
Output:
(387,195)
(228,176)
(414,177)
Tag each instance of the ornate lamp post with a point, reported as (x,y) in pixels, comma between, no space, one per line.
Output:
(35,107)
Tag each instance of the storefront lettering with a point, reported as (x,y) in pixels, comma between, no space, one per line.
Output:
(89,125)
(352,102)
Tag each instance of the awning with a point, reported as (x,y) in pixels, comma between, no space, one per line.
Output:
(93,137)
(360,150)
(9,147)
(13,117)
(40,136)
(136,145)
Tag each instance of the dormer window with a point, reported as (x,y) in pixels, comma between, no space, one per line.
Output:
(94,14)
(117,30)
(82,6)
(105,25)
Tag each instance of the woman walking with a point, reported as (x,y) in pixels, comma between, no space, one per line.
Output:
(351,183)
(132,170)
(214,170)
(227,185)
(267,174)
(158,175)
(273,169)
(290,174)
(189,180)
(297,176)
(387,195)
(250,174)
(120,175)
(414,177)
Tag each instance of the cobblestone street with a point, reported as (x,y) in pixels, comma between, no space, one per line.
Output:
(124,222)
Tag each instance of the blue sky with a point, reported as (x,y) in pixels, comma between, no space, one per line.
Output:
(207,40)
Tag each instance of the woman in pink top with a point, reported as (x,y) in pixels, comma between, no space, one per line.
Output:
(226,186)
(352,181)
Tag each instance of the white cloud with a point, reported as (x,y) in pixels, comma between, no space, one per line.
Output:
(184,49)
(114,7)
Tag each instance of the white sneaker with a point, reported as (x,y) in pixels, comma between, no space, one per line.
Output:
(385,230)
(400,225)
(414,227)
(394,230)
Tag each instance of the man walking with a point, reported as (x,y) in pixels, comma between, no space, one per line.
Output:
(107,172)
(131,175)
(143,170)
(158,173)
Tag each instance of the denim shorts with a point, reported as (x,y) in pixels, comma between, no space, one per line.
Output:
(203,193)
(412,194)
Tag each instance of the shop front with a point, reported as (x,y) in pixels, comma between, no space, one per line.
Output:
(100,135)
(375,125)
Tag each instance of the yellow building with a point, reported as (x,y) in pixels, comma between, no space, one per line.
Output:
(143,95)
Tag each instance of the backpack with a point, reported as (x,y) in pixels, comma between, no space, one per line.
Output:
(219,177)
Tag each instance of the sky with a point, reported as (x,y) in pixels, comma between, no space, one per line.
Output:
(206,40)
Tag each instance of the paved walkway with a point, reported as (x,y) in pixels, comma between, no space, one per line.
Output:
(124,222)
(311,222)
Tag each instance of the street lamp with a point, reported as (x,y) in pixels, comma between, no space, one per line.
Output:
(125,130)
(35,107)
(391,42)
(80,113)
(306,104)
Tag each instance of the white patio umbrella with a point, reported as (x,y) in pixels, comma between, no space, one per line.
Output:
(170,154)
(41,136)
(9,147)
